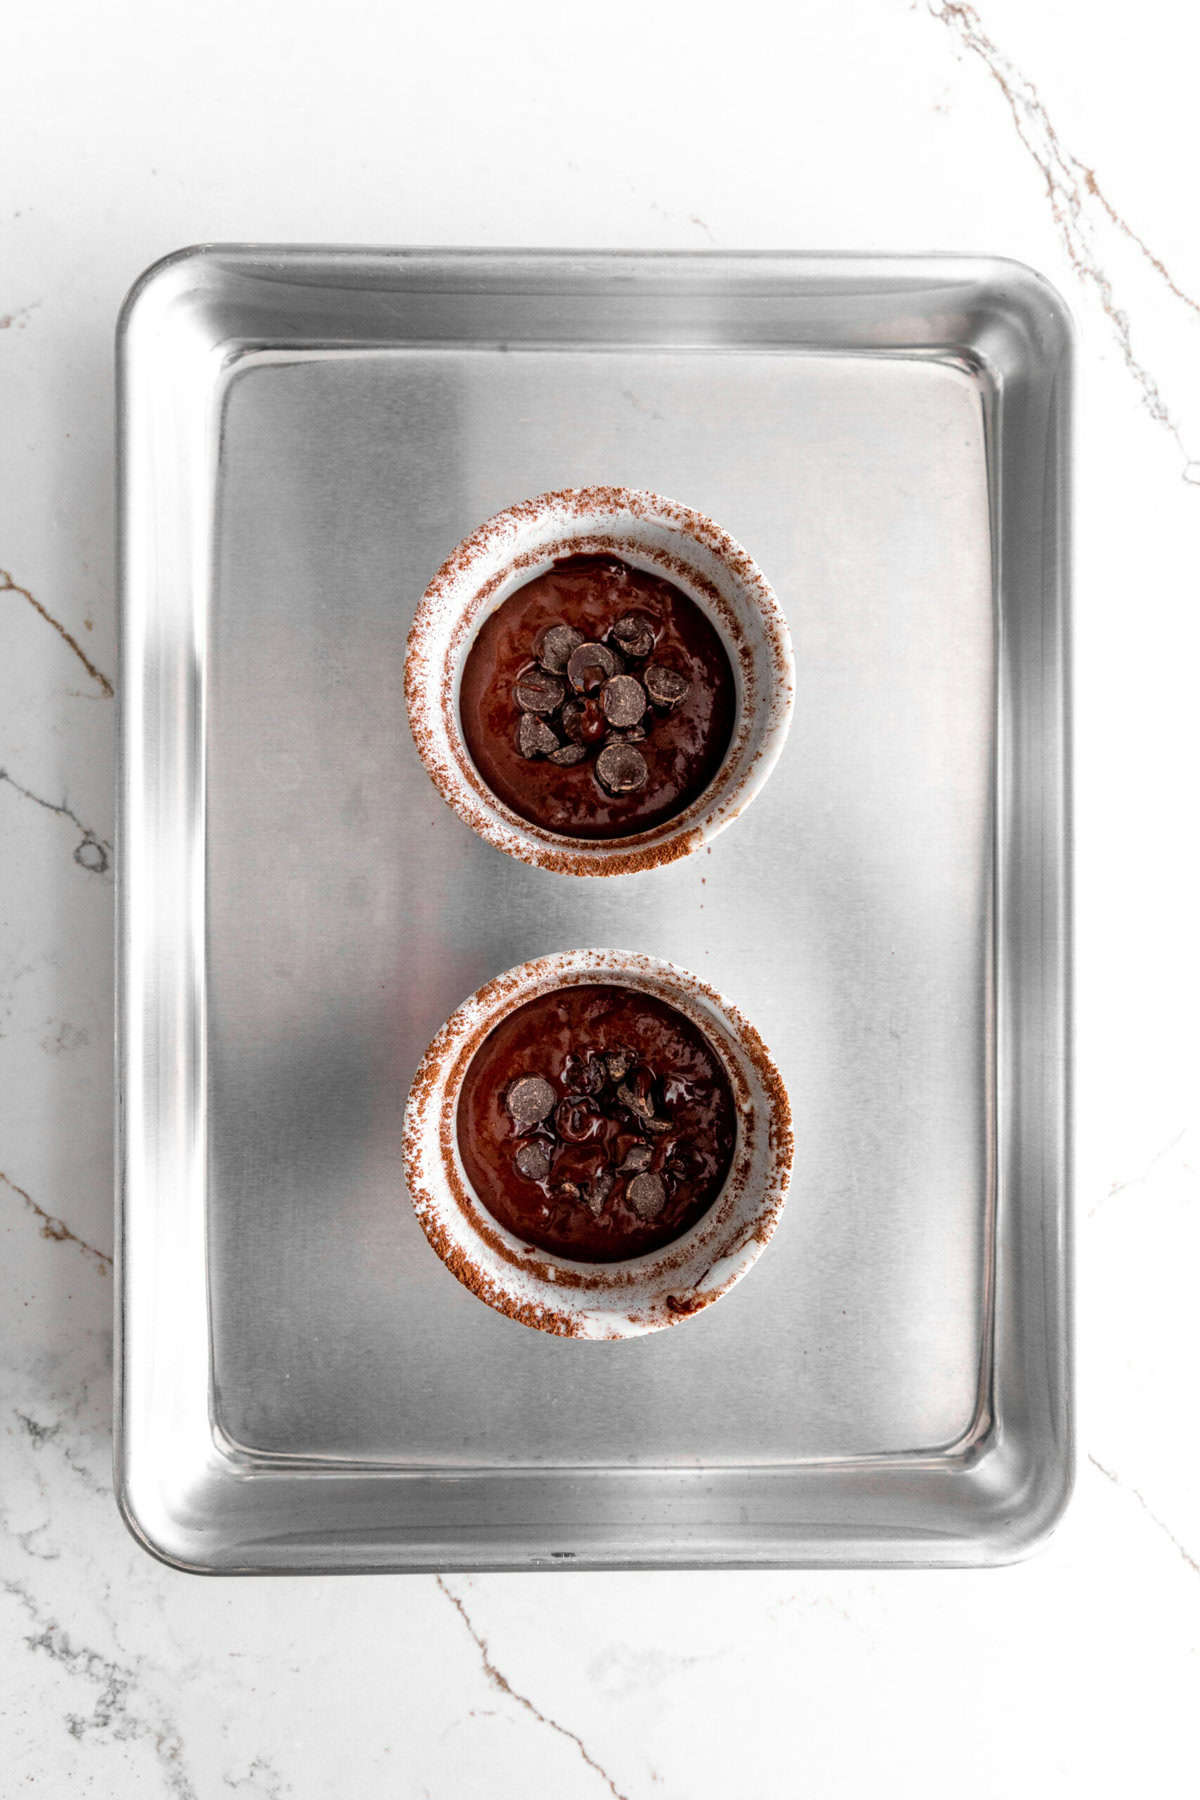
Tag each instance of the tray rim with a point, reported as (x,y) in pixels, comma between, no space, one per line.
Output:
(1041,1493)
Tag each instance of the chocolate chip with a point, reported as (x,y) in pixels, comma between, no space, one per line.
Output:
(598,1190)
(638,1093)
(535,691)
(589,666)
(533,1160)
(634,634)
(666,687)
(621,769)
(623,699)
(555,645)
(637,1158)
(583,1074)
(534,737)
(647,1195)
(529,1100)
(567,755)
(617,1063)
(576,1120)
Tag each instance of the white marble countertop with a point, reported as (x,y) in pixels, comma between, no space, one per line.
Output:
(1054,134)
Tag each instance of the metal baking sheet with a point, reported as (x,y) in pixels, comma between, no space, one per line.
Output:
(305,434)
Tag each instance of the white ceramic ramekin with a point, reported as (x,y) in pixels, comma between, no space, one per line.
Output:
(650,533)
(599,1300)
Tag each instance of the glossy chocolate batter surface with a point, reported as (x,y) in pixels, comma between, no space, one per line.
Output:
(596,1122)
(597,700)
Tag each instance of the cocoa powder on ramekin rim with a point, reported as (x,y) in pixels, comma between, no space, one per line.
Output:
(599,1300)
(649,532)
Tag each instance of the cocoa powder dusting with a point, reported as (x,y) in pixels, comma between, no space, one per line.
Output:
(430,690)
(441,1073)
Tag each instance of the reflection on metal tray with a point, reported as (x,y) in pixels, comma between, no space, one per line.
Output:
(305,434)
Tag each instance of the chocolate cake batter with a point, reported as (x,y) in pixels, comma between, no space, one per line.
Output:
(597,700)
(596,1122)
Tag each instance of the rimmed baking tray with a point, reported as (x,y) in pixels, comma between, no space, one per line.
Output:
(304,435)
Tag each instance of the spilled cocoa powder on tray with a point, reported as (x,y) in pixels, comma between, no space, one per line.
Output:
(596,1122)
(598,700)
